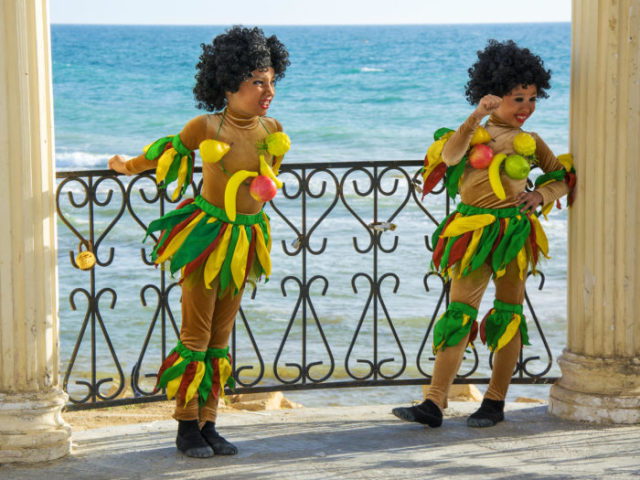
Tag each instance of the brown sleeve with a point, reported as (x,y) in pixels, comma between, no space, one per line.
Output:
(548,162)
(194,132)
(140,164)
(191,135)
(458,143)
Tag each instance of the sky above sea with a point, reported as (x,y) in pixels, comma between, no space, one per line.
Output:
(301,12)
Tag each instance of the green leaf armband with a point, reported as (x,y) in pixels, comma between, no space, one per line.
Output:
(175,162)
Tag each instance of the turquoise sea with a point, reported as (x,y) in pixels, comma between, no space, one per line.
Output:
(351,93)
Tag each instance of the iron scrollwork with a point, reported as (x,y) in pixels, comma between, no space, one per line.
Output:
(379,201)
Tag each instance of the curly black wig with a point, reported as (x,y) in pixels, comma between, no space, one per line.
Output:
(230,59)
(503,66)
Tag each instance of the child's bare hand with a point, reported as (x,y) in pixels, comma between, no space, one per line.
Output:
(486,105)
(529,201)
(117,163)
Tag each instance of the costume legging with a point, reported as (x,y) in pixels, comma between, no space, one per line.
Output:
(470,289)
(207,322)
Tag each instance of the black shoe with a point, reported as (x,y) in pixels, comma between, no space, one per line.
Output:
(190,441)
(218,443)
(489,413)
(427,413)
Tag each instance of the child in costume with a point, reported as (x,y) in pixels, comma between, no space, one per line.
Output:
(221,238)
(494,232)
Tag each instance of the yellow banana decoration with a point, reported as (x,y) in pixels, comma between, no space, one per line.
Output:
(182,176)
(266,170)
(164,163)
(494,175)
(211,151)
(231,191)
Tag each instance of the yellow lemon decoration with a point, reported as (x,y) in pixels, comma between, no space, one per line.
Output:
(278,143)
(480,136)
(212,151)
(524,144)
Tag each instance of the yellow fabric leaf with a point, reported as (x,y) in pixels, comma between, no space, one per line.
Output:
(546,209)
(434,153)
(216,258)
(173,385)
(471,248)
(466,224)
(566,159)
(195,383)
(509,332)
(262,251)
(522,262)
(225,370)
(175,243)
(541,237)
(239,260)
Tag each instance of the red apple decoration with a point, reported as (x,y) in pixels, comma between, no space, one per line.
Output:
(481,156)
(262,188)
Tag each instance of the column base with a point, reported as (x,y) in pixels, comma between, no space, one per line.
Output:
(597,390)
(32,428)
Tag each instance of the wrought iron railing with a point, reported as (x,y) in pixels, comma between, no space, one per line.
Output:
(349,304)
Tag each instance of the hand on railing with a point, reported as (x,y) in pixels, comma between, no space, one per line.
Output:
(117,163)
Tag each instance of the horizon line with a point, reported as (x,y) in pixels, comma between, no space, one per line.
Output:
(303,25)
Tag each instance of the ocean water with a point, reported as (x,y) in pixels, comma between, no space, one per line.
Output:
(351,93)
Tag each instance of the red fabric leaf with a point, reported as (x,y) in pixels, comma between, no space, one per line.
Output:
(434,177)
(500,233)
(187,377)
(533,244)
(440,246)
(459,248)
(474,331)
(215,381)
(483,334)
(169,361)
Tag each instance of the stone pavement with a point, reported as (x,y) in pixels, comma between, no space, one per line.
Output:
(356,443)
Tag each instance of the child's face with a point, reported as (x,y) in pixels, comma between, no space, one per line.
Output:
(255,93)
(518,105)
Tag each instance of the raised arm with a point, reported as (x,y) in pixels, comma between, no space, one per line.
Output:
(458,144)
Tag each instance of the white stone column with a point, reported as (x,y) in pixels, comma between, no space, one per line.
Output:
(601,364)
(31,427)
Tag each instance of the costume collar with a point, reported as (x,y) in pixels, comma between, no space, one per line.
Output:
(498,122)
(240,120)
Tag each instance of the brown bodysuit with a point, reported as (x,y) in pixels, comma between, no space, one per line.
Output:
(207,318)
(475,190)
